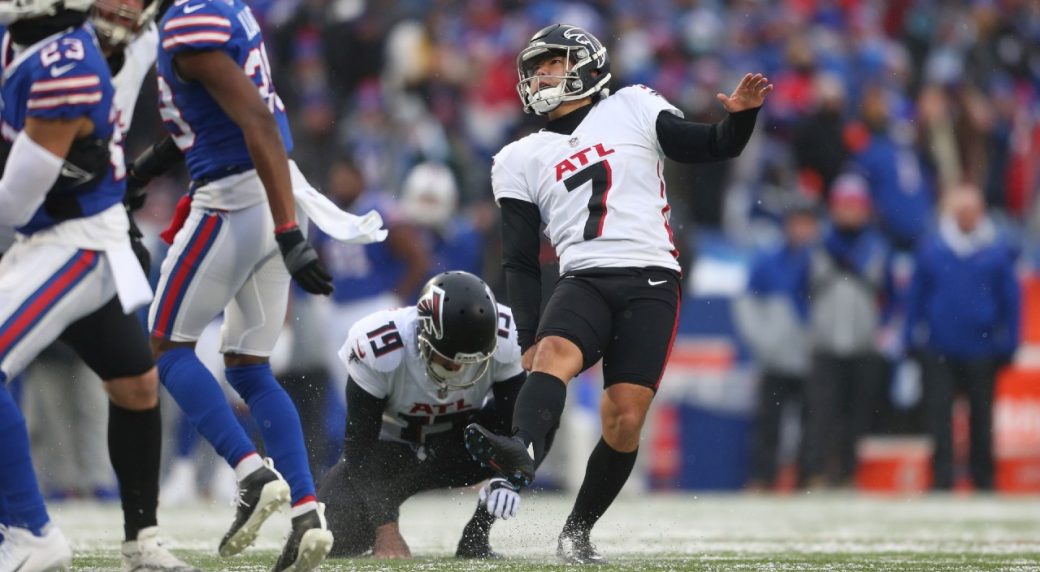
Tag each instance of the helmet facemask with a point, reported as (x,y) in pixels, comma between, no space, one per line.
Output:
(474,366)
(118,22)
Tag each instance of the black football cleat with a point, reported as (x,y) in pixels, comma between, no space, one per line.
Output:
(505,455)
(260,494)
(574,547)
(308,544)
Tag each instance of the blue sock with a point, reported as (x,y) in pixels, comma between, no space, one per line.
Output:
(279,424)
(187,437)
(245,419)
(199,396)
(25,508)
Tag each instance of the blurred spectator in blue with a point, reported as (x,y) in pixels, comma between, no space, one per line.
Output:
(773,319)
(366,277)
(429,200)
(963,321)
(899,185)
(847,277)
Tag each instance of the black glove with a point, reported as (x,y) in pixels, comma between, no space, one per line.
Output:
(303,262)
(154,161)
(135,190)
(137,243)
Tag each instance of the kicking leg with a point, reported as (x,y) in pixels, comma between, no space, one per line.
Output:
(535,416)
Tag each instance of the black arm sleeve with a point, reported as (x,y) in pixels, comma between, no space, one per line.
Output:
(364,421)
(520,244)
(505,393)
(369,460)
(691,142)
(157,159)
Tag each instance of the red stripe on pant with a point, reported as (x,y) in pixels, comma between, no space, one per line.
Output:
(675,329)
(184,267)
(46,299)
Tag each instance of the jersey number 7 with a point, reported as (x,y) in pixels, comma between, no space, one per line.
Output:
(600,176)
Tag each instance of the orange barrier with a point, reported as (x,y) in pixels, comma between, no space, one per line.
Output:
(1031,310)
(894,464)
(1016,430)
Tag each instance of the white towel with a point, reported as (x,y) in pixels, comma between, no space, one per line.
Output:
(332,220)
(131,283)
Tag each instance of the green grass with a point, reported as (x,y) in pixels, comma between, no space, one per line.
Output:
(835,532)
(874,562)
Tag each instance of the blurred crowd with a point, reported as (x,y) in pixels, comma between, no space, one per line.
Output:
(900,132)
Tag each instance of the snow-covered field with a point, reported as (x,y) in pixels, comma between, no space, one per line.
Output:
(803,531)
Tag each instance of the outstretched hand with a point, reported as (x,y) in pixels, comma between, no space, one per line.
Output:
(750,93)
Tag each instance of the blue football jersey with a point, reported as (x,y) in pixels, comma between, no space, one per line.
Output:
(362,270)
(212,143)
(64,77)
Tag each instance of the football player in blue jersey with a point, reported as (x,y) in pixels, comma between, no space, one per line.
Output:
(219,105)
(71,273)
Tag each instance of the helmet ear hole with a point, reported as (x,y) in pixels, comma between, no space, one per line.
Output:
(575,84)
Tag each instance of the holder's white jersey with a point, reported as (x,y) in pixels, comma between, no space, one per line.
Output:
(382,356)
(600,190)
(139,58)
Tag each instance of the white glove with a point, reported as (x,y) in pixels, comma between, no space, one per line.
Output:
(500,499)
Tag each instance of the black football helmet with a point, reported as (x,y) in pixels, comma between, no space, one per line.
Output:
(589,72)
(458,321)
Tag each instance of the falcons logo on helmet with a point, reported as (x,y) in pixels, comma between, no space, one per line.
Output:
(431,311)
(581,37)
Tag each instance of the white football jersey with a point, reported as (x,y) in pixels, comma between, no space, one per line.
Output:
(382,356)
(139,58)
(600,190)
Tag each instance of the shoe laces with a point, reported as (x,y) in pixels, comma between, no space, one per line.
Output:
(269,465)
(240,499)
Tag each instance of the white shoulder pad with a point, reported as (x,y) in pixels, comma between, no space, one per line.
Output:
(376,343)
(639,96)
(507,174)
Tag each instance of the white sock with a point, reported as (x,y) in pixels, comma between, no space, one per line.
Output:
(247,465)
(303,508)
